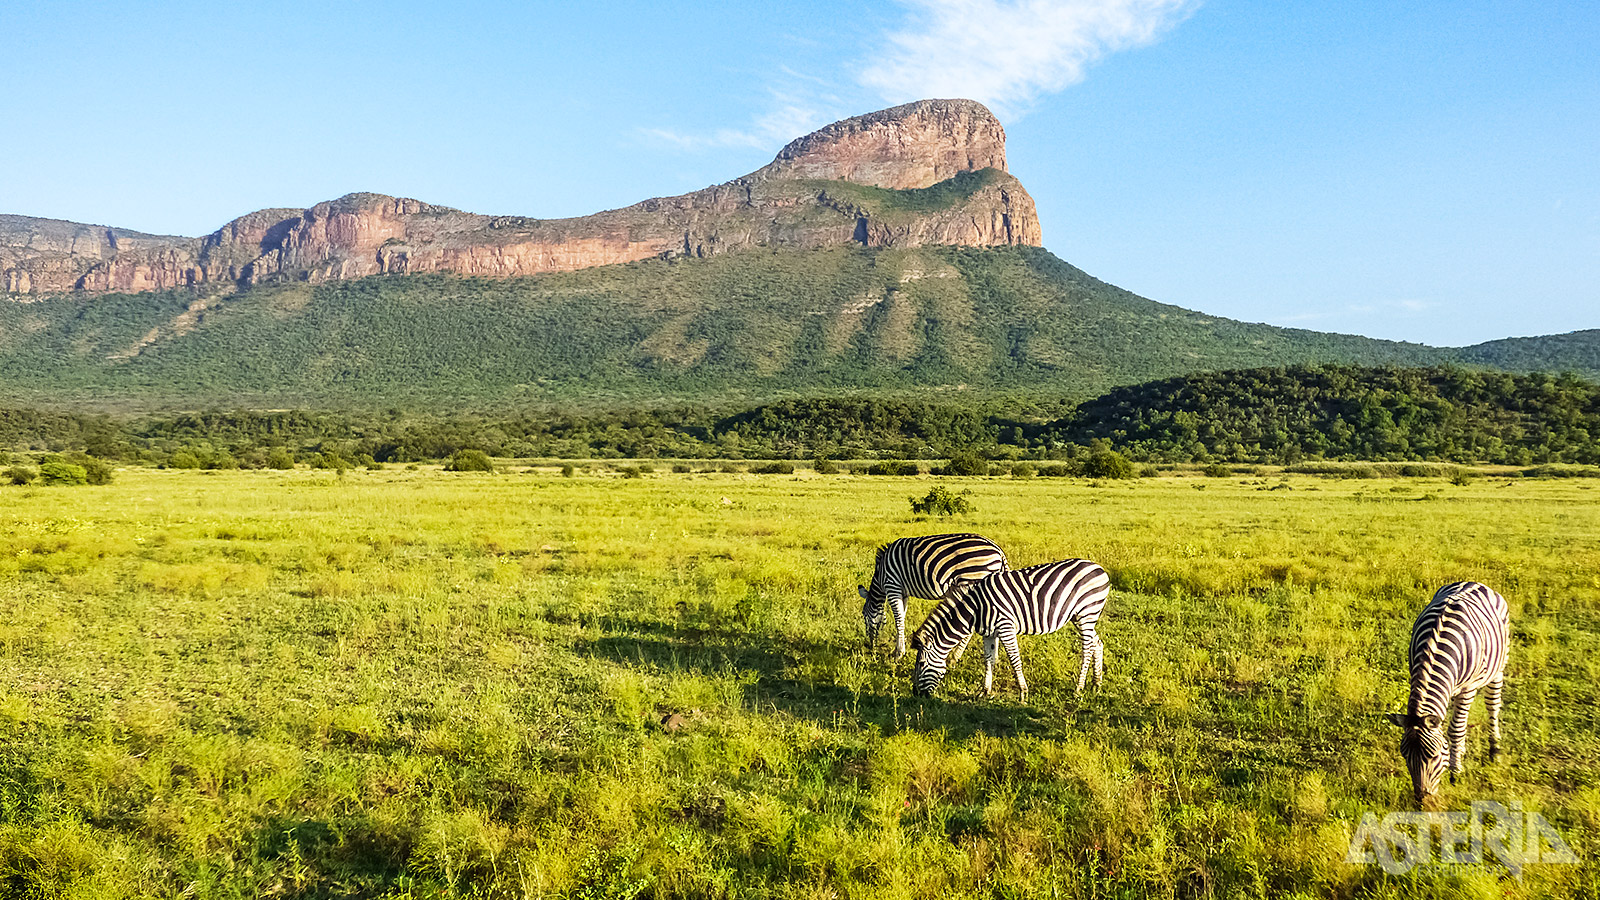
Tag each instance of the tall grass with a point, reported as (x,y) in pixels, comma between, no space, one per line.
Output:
(412,683)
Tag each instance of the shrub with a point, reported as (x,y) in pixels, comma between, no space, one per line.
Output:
(940,502)
(1022,470)
(1216,470)
(1055,470)
(1148,472)
(630,471)
(894,467)
(682,468)
(279,458)
(330,460)
(469,461)
(98,471)
(20,475)
(825,466)
(366,461)
(567,471)
(1462,477)
(964,464)
(63,473)
(773,468)
(184,459)
(1108,464)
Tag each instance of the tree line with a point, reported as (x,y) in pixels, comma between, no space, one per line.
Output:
(1280,415)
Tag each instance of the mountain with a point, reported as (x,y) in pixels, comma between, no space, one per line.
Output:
(930,172)
(888,254)
(735,327)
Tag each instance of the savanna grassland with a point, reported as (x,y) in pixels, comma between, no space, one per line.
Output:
(412,683)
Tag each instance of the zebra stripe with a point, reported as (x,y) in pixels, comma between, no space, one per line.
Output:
(935,567)
(1459,646)
(1036,600)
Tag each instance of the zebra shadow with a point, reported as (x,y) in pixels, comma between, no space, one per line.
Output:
(781,685)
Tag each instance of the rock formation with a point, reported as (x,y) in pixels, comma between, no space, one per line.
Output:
(930,172)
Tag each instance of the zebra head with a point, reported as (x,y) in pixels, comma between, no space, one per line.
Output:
(933,660)
(1423,747)
(872,609)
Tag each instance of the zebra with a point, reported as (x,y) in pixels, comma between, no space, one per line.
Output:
(1459,646)
(935,566)
(1036,600)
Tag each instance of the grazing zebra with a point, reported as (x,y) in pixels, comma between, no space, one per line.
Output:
(1458,647)
(1035,600)
(935,566)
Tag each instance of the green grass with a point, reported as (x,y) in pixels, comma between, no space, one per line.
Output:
(411,683)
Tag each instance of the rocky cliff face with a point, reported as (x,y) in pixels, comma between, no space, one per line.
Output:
(930,172)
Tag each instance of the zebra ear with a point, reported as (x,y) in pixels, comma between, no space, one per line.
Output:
(1397,719)
(862,591)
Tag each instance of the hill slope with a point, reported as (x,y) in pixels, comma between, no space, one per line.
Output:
(747,327)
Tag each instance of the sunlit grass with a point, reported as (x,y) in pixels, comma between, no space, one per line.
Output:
(416,683)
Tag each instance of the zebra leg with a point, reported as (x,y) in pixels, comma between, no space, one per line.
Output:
(1009,638)
(1099,661)
(991,649)
(1458,732)
(897,606)
(1491,699)
(1091,644)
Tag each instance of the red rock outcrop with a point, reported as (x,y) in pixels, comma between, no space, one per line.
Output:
(930,172)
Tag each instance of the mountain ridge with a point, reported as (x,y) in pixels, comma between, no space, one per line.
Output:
(851,183)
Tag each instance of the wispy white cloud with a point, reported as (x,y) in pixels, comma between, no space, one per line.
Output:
(1005,53)
(788,117)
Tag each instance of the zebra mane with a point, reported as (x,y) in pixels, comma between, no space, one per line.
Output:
(1430,648)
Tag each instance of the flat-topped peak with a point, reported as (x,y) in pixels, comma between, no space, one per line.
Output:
(913,145)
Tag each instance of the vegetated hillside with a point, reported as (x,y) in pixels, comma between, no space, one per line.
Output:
(1340,412)
(1575,351)
(1273,415)
(742,327)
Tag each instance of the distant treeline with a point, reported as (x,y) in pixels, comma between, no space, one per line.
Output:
(1270,415)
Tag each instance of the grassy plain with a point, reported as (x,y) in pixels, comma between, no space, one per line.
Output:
(410,683)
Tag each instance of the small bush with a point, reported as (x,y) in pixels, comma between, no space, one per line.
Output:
(568,470)
(1055,470)
(469,461)
(894,467)
(1462,478)
(825,466)
(279,458)
(773,468)
(964,464)
(1149,472)
(1022,470)
(630,471)
(63,473)
(940,502)
(184,459)
(20,475)
(682,468)
(1108,464)
(1216,470)
(331,460)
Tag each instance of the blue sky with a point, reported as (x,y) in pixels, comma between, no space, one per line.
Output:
(1418,171)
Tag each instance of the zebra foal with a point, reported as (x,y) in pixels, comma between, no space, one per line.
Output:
(935,566)
(1459,646)
(1035,600)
